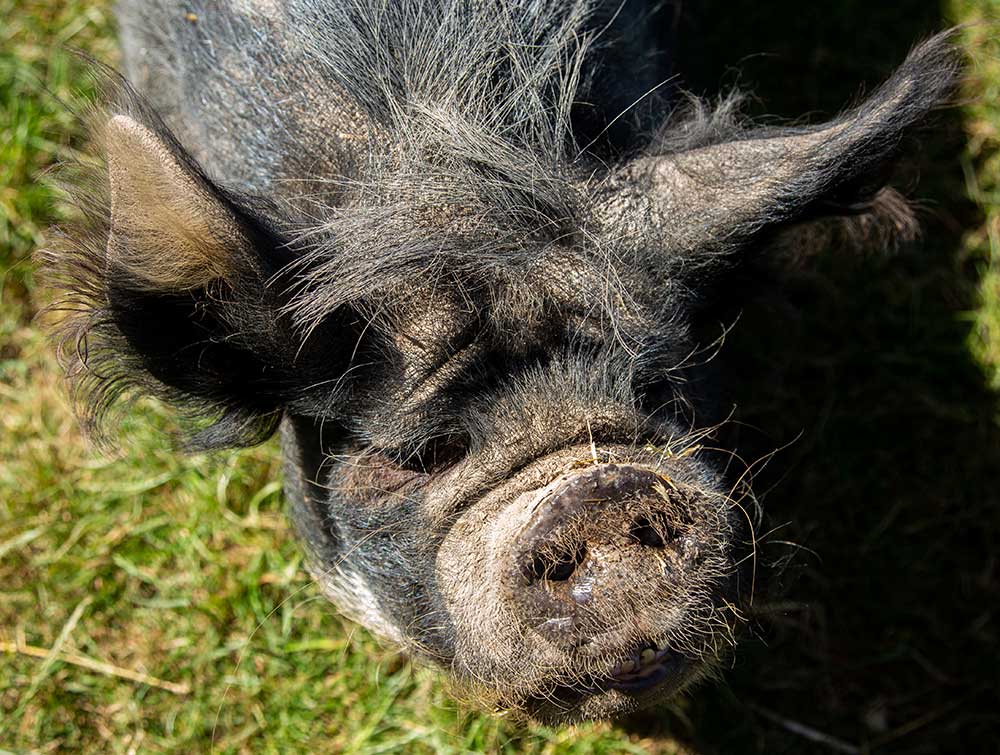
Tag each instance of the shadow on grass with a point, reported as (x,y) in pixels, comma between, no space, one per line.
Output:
(884,636)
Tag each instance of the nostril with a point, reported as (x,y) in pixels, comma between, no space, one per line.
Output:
(566,564)
(557,566)
(650,532)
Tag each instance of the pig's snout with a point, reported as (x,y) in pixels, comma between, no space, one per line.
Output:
(602,548)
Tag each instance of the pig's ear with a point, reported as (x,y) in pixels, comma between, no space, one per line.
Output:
(170,229)
(713,199)
(168,287)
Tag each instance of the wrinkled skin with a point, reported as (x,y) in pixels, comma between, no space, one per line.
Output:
(422,242)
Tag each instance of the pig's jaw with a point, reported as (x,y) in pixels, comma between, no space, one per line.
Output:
(350,591)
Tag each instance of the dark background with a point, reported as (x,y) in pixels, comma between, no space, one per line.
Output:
(882,630)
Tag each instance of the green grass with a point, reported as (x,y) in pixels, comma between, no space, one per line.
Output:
(981,163)
(181,569)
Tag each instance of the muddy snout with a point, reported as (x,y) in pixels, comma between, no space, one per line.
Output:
(602,552)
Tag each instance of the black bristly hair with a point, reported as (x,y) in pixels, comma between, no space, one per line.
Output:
(465,174)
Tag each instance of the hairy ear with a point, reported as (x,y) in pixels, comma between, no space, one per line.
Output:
(712,199)
(168,230)
(172,287)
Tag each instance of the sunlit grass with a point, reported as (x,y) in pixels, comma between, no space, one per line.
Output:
(982,167)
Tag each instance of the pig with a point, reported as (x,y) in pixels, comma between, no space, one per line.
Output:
(455,252)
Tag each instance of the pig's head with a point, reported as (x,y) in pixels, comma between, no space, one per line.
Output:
(479,351)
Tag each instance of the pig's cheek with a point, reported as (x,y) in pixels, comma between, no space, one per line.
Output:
(396,480)
(377,477)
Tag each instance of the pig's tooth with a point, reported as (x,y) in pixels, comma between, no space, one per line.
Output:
(647,656)
(628,666)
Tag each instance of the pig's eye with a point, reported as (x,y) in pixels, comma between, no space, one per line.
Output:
(436,455)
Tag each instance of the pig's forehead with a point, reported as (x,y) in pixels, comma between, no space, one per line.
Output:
(552,289)
(420,280)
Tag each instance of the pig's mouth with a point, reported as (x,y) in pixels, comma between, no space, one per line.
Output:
(649,673)
(645,668)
